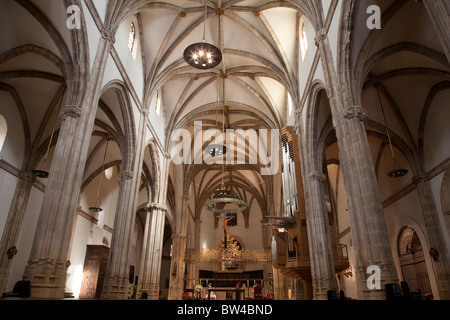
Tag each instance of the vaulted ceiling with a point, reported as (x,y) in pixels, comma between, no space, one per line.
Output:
(259,40)
(249,89)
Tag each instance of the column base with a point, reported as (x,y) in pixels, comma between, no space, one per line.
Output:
(151,291)
(47,277)
(115,288)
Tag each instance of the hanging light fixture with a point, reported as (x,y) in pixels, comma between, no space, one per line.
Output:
(220,198)
(97,207)
(396,172)
(44,173)
(215,149)
(202,55)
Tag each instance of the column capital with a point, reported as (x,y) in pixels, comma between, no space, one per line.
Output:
(316,175)
(126,175)
(355,112)
(70,110)
(298,121)
(27,176)
(179,236)
(154,205)
(108,35)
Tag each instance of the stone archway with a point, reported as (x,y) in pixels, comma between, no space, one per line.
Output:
(412,260)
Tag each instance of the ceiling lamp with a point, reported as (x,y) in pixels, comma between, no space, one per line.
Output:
(97,207)
(222,197)
(396,172)
(215,150)
(44,173)
(202,55)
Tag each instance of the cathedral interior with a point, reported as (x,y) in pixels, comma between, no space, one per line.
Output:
(225,149)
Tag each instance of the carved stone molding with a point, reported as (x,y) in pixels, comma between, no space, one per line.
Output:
(355,112)
(179,236)
(27,176)
(108,36)
(155,205)
(319,176)
(320,36)
(71,111)
(298,121)
(126,175)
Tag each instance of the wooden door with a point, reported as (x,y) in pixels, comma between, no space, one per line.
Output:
(94,271)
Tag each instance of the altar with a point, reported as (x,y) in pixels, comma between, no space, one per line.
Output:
(229,293)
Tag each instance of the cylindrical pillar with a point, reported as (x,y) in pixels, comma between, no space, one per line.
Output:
(11,232)
(152,252)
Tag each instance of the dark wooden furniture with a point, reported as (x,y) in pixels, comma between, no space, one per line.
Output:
(94,270)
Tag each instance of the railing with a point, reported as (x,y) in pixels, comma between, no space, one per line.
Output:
(340,252)
(301,253)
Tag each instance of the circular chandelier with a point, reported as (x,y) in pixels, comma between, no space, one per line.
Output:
(223,197)
(202,55)
(397,173)
(215,150)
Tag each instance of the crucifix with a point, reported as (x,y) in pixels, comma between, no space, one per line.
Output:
(225,220)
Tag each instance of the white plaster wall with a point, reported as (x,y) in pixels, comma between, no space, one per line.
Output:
(305,65)
(437,131)
(93,35)
(8,186)
(333,33)
(26,237)
(132,61)
(13,150)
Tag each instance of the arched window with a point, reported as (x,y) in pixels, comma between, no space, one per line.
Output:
(303,39)
(109,172)
(132,37)
(157,103)
(3,130)
(290,104)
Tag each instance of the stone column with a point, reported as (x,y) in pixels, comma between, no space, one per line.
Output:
(178,266)
(197,247)
(116,278)
(319,235)
(11,231)
(439,11)
(279,285)
(48,262)
(319,239)
(435,235)
(152,252)
(367,223)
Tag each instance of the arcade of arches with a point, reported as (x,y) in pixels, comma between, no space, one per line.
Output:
(93,92)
